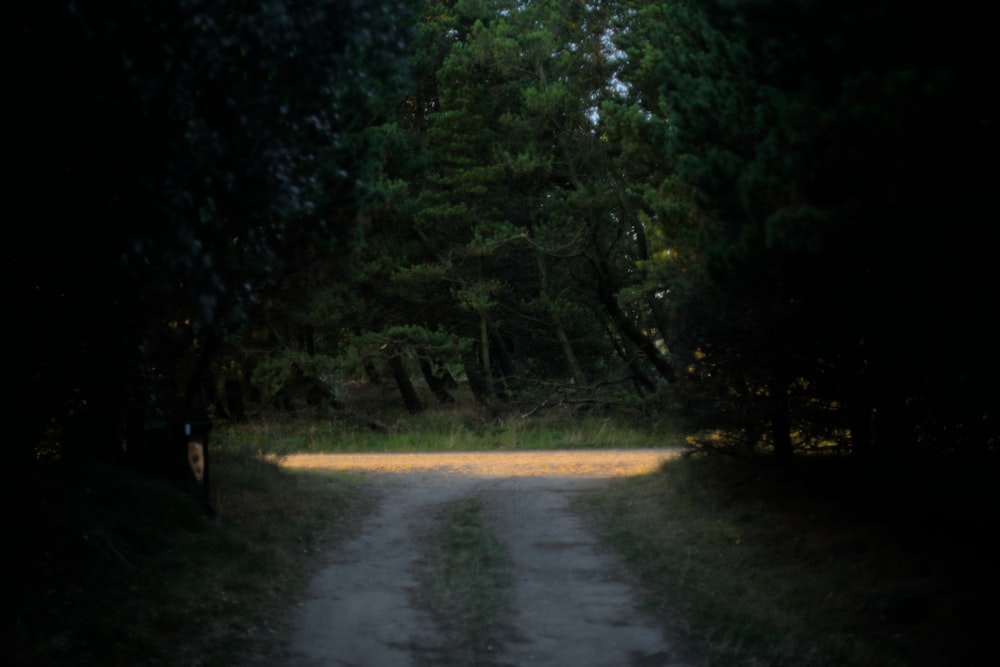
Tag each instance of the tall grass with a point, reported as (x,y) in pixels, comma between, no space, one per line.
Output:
(372,418)
(454,429)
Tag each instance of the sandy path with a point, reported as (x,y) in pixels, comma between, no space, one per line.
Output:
(575,605)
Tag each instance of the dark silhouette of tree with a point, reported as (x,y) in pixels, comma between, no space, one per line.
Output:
(177,159)
(842,164)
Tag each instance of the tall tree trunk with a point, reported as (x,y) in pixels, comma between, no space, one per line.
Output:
(406,390)
(506,367)
(438,385)
(484,356)
(780,417)
(307,339)
(641,253)
(857,402)
(567,349)
(234,400)
(642,383)
(607,287)
(606,293)
(474,374)
(194,400)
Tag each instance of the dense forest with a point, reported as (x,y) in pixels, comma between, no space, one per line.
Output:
(767,219)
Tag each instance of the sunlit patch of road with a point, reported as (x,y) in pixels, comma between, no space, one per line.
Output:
(603,463)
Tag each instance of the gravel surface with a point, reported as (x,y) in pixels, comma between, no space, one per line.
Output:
(575,604)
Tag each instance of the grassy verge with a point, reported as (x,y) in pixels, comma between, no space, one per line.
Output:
(423,435)
(820,569)
(371,418)
(464,582)
(374,422)
(115,569)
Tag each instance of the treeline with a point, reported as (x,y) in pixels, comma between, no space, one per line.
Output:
(765,218)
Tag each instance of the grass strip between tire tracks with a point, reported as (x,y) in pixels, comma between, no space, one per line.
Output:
(465,583)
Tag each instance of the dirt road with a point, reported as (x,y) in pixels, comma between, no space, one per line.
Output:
(575,603)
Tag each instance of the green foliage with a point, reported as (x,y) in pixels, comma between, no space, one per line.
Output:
(278,374)
(494,200)
(406,341)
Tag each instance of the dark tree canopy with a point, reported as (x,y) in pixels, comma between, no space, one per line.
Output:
(174,158)
(843,153)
